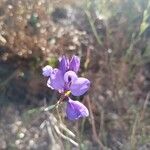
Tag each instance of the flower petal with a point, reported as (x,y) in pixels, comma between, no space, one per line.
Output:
(63,64)
(76,110)
(80,86)
(74,64)
(70,76)
(56,80)
(47,70)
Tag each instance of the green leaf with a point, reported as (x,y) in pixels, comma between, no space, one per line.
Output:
(31,111)
(50,107)
(143,27)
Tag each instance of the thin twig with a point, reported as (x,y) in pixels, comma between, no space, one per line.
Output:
(145,106)
(49,130)
(95,136)
(93,27)
(62,126)
(136,125)
(134,128)
(65,137)
(57,125)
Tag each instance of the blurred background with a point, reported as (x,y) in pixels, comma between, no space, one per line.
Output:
(112,38)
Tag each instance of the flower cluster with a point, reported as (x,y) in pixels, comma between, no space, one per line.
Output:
(64,79)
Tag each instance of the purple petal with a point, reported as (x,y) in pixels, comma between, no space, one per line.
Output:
(80,86)
(70,76)
(64,64)
(56,80)
(74,64)
(47,70)
(76,110)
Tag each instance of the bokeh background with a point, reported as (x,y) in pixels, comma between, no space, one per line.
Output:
(112,38)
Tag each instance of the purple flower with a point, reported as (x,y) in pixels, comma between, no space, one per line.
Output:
(74,64)
(66,81)
(76,110)
(47,70)
(65,78)
(66,64)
